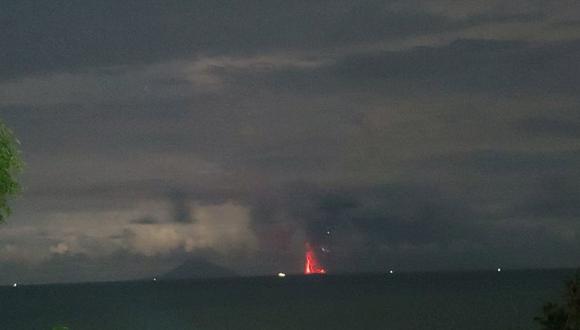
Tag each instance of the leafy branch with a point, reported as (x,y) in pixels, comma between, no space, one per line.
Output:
(10,166)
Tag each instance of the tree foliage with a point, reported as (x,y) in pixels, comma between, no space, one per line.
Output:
(10,166)
(564,316)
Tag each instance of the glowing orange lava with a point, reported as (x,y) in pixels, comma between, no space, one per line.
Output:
(312,266)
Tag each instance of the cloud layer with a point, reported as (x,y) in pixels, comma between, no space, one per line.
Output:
(410,134)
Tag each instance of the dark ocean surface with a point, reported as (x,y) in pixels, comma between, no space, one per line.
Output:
(466,300)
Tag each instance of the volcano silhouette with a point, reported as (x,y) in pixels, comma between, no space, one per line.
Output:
(198,268)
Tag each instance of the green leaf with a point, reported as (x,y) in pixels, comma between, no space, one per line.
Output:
(10,167)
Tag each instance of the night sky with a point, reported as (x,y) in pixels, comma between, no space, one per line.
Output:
(408,135)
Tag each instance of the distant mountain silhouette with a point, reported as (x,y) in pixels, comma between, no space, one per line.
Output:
(198,268)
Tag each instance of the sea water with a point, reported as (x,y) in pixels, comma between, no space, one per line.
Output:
(462,300)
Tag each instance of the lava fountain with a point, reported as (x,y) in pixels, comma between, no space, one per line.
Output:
(311,265)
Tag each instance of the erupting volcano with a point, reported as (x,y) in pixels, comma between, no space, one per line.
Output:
(312,266)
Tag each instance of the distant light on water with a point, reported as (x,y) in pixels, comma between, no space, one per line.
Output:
(499,270)
(391,271)
(281,274)
(14,285)
(155,279)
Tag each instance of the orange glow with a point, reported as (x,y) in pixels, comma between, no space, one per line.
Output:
(312,266)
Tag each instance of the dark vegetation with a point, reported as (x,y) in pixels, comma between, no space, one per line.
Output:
(566,315)
(10,166)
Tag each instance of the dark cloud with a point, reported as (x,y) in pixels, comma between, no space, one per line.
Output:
(49,37)
(525,164)
(417,135)
(181,208)
(551,127)
(371,228)
(553,198)
(501,67)
(567,23)
(358,222)
(144,221)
